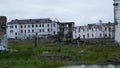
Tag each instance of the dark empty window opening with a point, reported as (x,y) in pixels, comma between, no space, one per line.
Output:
(110,29)
(21,31)
(83,36)
(28,31)
(21,26)
(32,26)
(25,31)
(92,35)
(36,25)
(88,35)
(105,28)
(105,35)
(28,26)
(33,31)
(54,32)
(48,25)
(109,35)
(48,30)
(15,26)
(42,25)
(100,35)
(40,30)
(79,29)
(54,25)
(24,26)
(16,33)
(43,30)
(11,31)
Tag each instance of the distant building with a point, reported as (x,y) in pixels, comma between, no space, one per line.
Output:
(66,29)
(23,29)
(92,31)
(29,27)
(117,20)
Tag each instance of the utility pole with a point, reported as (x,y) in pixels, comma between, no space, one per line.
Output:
(36,40)
(115,18)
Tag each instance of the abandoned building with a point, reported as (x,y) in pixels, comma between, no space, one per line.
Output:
(92,31)
(66,29)
(28,28)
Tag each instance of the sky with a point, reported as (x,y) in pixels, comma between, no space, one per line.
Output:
(82,12)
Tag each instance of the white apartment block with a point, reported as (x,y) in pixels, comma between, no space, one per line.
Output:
(92,31)
(28,28)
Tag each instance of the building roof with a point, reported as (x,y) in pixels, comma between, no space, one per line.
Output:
(96,25)
(31,21)
(66,22)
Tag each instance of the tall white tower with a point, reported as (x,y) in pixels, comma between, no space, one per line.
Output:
(117,20)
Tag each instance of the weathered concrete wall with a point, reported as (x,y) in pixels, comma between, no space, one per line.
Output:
(117,20)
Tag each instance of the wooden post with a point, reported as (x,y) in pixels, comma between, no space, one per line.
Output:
(36,40)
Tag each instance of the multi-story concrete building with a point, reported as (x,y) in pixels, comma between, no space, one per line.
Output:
(92,31)
(117,20)
(28,28)
(66,29)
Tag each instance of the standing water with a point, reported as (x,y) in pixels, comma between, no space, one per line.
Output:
(92,66)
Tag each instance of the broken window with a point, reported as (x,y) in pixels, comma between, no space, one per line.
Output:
(100,35)
(42,25)
(33,31)
(21,31)
(110,29)
(15,26)
(11,31)
(92,35)
(105,28)
(24,26)
(88,35)
(109,35)
(28,26)
(36,25)
(32,25)
(84,36)
(21,26)
(28,31)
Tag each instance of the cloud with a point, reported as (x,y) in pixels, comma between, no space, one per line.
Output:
(80,11)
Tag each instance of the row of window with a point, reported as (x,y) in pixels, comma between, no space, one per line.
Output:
(28,26)
(25,31)
(109,29)
(88,36)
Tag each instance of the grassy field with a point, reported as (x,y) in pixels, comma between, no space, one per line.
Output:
(51,55)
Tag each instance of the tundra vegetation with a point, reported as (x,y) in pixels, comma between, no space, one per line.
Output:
(48,54)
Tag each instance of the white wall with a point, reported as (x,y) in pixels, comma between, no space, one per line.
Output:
(117,33)
(53,29)
(93,32)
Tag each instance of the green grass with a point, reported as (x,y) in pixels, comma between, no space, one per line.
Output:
(27,56)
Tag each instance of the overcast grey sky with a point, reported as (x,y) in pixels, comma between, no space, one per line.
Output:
(79,11)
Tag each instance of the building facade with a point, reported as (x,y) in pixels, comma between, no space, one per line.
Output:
(66,29)
(29,28)
(92,31)
(117,20)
